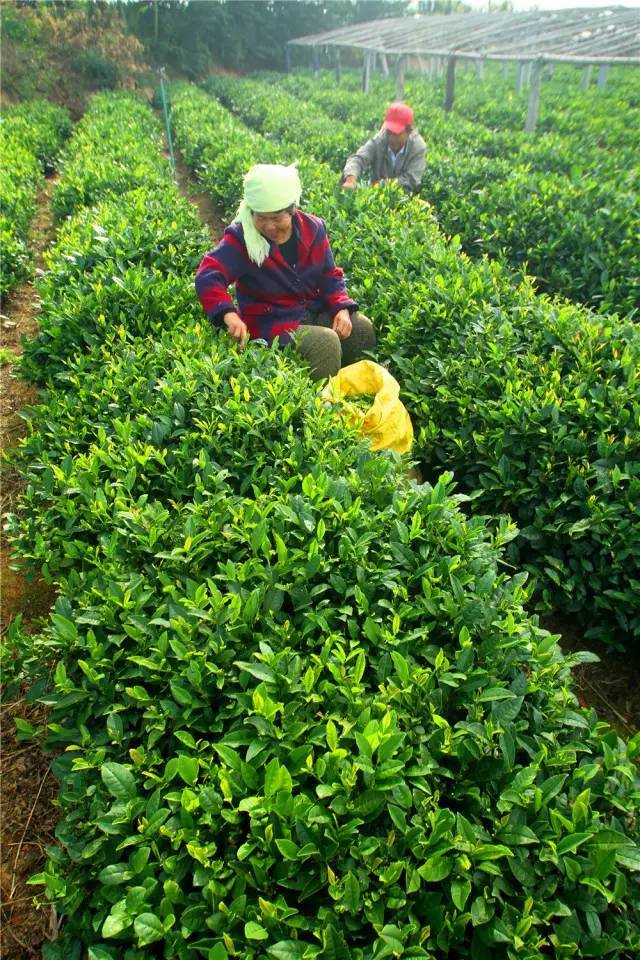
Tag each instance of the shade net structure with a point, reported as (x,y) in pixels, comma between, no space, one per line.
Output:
(605,36)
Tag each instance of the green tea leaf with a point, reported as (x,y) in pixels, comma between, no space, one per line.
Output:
(148,928)
(118,780)
(253,931)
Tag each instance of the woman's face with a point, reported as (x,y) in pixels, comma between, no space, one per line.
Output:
(276,227)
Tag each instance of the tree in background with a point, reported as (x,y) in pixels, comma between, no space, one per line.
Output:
(241,34)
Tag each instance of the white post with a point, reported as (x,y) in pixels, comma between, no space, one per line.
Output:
(385,65)
(550,69)
(451,81)
(534,96)
(505,70)
(603,74)
(519,78)
(366,71)
(586,77)
(480,69)
(400,78)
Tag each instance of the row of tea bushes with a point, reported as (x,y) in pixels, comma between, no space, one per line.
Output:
(568,214)
(591,118)
(31,135)
(128,259)
(311,717)
(537,403)
(547,152)
(302,712)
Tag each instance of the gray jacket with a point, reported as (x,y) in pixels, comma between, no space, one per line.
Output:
(374,157)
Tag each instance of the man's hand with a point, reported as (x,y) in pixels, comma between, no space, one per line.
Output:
(342,324)
(349,183)
(236,327)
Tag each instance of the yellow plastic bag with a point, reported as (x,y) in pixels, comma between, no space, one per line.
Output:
(386,424)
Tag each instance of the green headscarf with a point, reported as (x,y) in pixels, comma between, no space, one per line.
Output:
(268,187)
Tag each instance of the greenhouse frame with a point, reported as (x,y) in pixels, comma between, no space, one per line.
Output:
(532,40)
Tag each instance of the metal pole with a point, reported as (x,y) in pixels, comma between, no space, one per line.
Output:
(586,77)
(165,110)
(315,61)
(338,65)
(519,79)
(287,59)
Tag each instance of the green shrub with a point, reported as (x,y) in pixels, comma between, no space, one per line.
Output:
(98,163)
(39,126)
(100,71)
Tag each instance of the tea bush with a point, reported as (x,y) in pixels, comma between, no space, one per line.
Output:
(559,206)
(123,262)
(116,147)
(302,708)
(40,126)
(30,136)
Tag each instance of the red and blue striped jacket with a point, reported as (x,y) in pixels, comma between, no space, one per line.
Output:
(273,298)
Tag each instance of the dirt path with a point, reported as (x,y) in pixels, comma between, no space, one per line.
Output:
(28,790)
(612,686)
(189,188)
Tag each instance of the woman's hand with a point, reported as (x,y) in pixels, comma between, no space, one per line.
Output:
(236,327)
(342,324)
(349,183)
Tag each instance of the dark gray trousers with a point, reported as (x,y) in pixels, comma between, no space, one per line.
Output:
(323,349)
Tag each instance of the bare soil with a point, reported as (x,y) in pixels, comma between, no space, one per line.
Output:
(612,686)
(209,213)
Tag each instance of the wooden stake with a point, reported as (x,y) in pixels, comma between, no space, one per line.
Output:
(534,96)
(365,73)
(400,65)
(451,80)
(603,74)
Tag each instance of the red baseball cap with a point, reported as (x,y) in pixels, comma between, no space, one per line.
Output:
(398,117)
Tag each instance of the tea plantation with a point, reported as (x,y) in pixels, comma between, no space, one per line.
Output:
(299,704)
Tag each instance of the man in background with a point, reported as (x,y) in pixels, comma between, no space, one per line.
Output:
(397,152)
